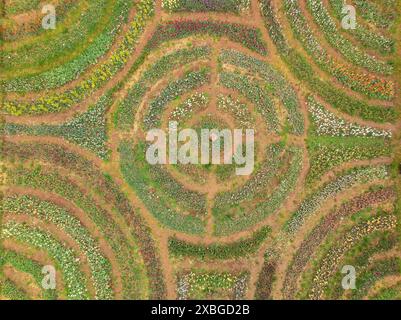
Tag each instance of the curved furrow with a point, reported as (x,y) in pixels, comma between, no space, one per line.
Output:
(328,224)
(95,181)
(63,220)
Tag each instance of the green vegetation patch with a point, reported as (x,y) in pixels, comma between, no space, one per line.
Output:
(241,248)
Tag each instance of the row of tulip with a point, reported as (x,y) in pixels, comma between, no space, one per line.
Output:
(66,259)
(87,130)
(250,38)
(236,6)
(61,57)
(325,153)
(185,110)
(367,36)
(325,123)
(218,251)
(327,266)
(276,84)
(264,284)
(302,70)
(97,78)
(346,47)
(134,276)
(26,265)
(328,224)
(382,15)
(63,220)
(366,83)
(252,203)
(198,284)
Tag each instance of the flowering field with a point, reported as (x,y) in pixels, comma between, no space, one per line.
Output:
(85,85)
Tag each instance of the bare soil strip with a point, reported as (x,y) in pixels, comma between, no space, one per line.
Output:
(85,221)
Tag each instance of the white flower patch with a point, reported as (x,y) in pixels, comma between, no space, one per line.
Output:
(244,5)
(170,5)
(329,190)
(239,110)
(329,124)
(196,102)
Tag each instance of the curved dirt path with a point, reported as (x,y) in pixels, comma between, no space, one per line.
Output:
(111,168)
(39,256)
(293,199)
(83,105)
(56,141)
(120,221)
(32,95)
(86,223)
(383,283)
(329,175)
(336,216)
(338,56)
(24,281)
(161,235)
(65,239)
(354,39)
(287,254)
(296,45)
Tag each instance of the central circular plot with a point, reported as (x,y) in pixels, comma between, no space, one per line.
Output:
(214,145)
